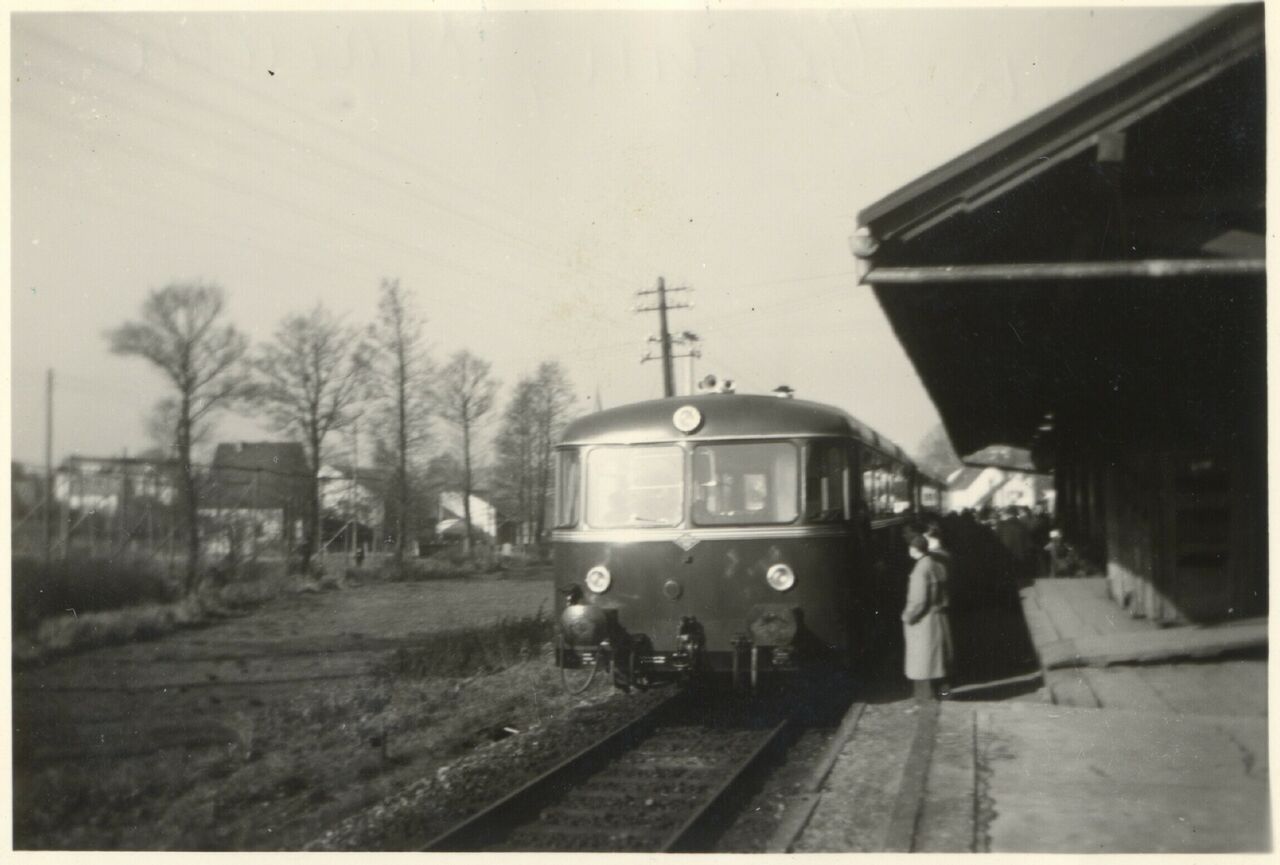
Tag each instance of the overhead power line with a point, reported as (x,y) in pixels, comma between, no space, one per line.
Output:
(354,167)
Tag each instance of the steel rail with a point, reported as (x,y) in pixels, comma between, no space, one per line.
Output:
(698,833)
(524,803)
(800,808)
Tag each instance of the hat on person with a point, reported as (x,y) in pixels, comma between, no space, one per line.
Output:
(919,543)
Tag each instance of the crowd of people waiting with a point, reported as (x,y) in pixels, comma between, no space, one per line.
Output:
(966,562)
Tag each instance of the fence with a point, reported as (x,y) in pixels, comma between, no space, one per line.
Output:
(120,507)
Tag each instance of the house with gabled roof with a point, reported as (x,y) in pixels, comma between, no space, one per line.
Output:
(255,496)
(452,522)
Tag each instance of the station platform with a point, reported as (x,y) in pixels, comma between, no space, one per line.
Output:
(1142,740)
(1093,654)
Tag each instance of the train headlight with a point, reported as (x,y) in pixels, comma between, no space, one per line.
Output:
(599,579)
(780,577)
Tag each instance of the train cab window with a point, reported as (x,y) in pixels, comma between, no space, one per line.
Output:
(826,483)
(566,504)
(745,483)
(635,487)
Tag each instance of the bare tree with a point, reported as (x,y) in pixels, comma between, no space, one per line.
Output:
(554,401)
(442,474)
(465,391)
(514,481)
(310,381)
(401,385)
(935,454)
(183,333)
(161,425)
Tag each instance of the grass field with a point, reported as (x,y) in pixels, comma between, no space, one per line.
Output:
(259,732)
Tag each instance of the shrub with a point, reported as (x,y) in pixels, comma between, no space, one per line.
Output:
(268,580)
(85,585)
(61,634)
(59,631)
(441,566)
(471,651)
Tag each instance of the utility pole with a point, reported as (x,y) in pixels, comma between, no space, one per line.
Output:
(257,510)
(49,497)
(690,339)
(122,507)
(668,371)
(353,525)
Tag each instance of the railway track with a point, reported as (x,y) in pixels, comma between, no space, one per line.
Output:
(667,782)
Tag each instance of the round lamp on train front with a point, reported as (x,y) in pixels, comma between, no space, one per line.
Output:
(780,577)
(599,579)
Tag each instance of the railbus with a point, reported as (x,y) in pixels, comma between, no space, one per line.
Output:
(727,533)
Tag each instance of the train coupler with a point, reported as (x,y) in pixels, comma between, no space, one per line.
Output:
(784,658)
(689,638)
(605,648)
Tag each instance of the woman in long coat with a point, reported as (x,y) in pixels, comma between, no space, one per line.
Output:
(924,622)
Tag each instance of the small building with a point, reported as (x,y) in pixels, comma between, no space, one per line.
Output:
(451,522)
(997,477)
(27,491)
(978,487)
(256,498)
(101,484)
(353,492)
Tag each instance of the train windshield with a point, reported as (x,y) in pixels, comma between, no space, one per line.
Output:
(745,483)
(636,487)
(566,488)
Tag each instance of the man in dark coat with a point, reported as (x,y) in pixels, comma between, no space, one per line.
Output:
(1016,540)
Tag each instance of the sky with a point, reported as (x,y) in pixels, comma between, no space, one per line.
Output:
(523,174)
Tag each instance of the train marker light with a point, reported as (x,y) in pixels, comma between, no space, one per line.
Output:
(687,419)
(599,579)
(780,577)
(863,243)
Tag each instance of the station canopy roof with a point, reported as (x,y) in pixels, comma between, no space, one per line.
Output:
(1100,260)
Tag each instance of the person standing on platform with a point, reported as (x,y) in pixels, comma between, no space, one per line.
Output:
(937,549)
(925,628)
(1013,533)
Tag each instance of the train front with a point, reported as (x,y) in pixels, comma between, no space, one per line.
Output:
(702,535)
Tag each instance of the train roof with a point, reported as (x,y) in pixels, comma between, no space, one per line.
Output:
(724,415)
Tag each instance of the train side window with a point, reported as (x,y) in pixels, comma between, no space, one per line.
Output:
(567,475)
(875,483)
(901,493)
(825,483)
(853,499)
